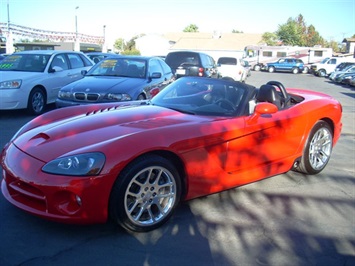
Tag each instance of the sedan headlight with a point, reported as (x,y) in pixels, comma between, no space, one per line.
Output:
(11,84)
(86,164)
(118,97)
(64,94)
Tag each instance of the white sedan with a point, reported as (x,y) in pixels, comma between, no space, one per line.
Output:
(32,79)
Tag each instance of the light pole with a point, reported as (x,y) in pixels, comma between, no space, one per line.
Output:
(104,41)
(9,41)
(77,43)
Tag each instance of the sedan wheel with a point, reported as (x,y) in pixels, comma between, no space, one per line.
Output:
(36,102)
(318,149)
(145,194)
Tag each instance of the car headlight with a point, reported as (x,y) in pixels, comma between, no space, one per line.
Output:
(118,97)
(11,84)
(64,94)
(86,164)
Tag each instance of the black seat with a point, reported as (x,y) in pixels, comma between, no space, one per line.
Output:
(268,93)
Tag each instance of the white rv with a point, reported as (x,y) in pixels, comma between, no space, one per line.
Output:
(259,55)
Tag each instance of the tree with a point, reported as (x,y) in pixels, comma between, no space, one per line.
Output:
(127,48)
(313,38)
(290,33)
(270,38)
(237,31)
(191,28)
(120,44)
(295,32)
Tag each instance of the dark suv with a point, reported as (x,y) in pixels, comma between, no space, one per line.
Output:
(285,65)
(190,63)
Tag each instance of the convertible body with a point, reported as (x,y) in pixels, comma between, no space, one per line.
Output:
(123,146)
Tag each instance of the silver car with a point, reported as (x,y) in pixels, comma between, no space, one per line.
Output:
(31,79)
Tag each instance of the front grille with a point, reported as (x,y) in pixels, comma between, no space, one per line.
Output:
(91,97)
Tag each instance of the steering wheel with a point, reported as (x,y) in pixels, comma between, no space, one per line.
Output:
(226,104)
(286,98)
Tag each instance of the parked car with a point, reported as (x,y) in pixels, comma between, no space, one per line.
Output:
(352,81)
(293,65)
(117,78)
(232,67)
(135,161)
(348,69)
(344,78)
(32,79)
(190,63)
(98,56)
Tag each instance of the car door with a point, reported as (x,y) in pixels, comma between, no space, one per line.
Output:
(58,75)
(154,68)
(266,143)
(288,64)
(280,66)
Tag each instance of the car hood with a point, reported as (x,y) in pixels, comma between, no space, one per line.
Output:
(88,132)
(103,84)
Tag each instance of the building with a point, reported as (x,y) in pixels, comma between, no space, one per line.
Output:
(214,44)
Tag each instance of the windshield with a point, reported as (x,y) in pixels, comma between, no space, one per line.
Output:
(325,60)
(203,96)
(174,60)
(120,67)
(24,62)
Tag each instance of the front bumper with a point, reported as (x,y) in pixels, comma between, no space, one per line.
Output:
(67,199)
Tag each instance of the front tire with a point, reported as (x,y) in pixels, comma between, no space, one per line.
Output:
(271,69)
(145,194)
(317,150)
(36,102)
(322,73)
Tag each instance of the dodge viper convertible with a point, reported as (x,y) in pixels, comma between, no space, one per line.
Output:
(135,161)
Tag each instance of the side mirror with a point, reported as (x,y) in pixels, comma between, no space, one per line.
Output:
(155,75)
(262,109)
(55,69)
(84,72)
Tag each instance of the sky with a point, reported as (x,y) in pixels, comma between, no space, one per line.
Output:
(333,19)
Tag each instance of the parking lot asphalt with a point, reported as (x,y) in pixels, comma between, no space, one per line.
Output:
(289,219)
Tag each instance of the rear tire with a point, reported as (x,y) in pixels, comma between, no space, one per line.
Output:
(145,194)
(317,150)
(295,70)
(256,68)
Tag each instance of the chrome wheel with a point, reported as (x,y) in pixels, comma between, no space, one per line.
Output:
(36,102)
(150,196)
(317,150)
(320,148)
(145,193)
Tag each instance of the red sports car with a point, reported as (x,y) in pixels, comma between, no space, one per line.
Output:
(135,161)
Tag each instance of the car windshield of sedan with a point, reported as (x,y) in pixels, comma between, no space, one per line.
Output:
(200,96)
(120,67)
(25,62)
